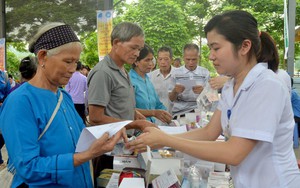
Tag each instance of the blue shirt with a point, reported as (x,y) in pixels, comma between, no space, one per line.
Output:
(295,103)
(49,161)
(4,86)
(145,94)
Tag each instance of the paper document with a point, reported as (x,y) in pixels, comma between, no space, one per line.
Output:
(189,81)
(90,134)
(166,179)
(132,183)
(188,84)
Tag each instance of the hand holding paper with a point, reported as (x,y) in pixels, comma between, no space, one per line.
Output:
(90,134)
(197,89)
(179,88)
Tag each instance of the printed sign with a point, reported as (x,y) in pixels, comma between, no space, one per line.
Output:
(104,29)
(2,54)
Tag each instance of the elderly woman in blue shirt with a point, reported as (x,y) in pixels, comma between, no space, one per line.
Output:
(50,161)
(147,100)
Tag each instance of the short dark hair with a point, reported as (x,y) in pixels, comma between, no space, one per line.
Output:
(191,46)
(79,66)
(85,67)
(177,59)
(28,67)
(166,49)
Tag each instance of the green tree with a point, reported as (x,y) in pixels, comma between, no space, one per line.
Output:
(163,21)
(89,55)
(269,15)
(198,12)
(205,62)
(13,63)
(24,17)
(166,22)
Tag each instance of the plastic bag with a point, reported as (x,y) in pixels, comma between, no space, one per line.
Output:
(208,99)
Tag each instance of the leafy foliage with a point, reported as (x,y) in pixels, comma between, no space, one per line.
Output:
(166,22)
(90,52)
(24,17)
(12,64)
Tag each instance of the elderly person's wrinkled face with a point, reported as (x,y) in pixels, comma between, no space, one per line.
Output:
(128,51)
(59,68)
(164,60)
(177,64)
(190,58)
(145,65)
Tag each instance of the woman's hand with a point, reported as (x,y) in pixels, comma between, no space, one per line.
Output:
(100,146)
(163,116)
(152,137)
(105,144)
(140,124)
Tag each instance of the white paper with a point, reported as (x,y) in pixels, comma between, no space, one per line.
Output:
(90,134)
(189,81)
(166,179)
(149,156)
(132,183)
(188,84)
(221,138)
(173,130)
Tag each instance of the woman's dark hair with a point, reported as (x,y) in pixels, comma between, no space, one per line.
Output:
(268,52)
(28,67)
(236,26)
(143,53)
(85,67)
(79,66)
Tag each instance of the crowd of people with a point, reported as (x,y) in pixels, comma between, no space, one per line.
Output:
(59,96)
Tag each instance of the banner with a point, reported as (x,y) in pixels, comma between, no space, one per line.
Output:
(104,29)
(2,54)
(286,31)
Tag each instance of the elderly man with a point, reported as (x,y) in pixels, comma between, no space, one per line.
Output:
(161,77)
(187,82)
(110,92)
(111,95)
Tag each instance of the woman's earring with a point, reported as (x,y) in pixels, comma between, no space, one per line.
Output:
(43,66)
